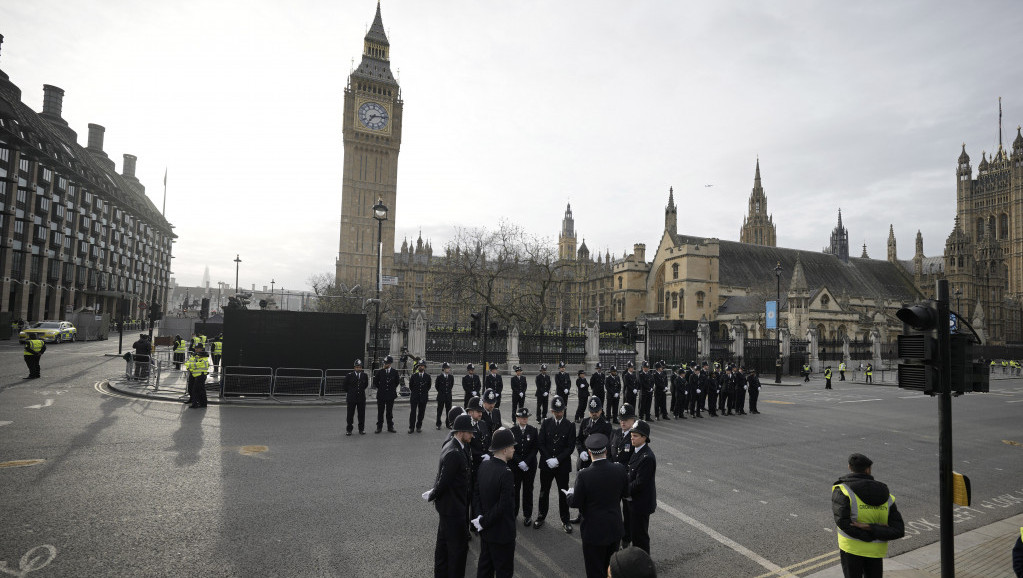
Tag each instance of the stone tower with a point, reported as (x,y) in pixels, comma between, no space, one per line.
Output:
(839,246)
(371,130)
(671,214)
(758,227)
(892,253)
(566,240)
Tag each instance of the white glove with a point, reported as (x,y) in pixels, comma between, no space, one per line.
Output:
(568,493)
(522,394)
(426,494)
(581,387)
(523,466)
(584,456)
(474,394)
(486,457)
(697,391)
(552,463)
(546,393)
(616,395)
(476,522)
(635,392)
(745,387)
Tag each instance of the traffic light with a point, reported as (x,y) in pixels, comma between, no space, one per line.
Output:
(243,299)
(477,324)
(262,303)
(493,328)
(155,312)
(204,311)
(920,351)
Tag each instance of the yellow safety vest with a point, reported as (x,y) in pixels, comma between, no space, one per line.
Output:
(860,511)
(35,347)
(180,346)
(197,366)
(217,347)
(870,370)
(841,366)
(827,374)
(202,339)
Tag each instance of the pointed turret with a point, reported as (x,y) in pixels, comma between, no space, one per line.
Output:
(839,245)
(566,240)
(376,55)
(864,255)
(920,243)
(757,227)
(756,176)
(892,253)
(982,167)
(1017,144)
(963,157)
(671,214)
(376,30)
(798,282)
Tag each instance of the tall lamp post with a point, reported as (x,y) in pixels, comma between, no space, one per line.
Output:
(272,289)
(237,261)
(777,327)
(958,292)
(380,214)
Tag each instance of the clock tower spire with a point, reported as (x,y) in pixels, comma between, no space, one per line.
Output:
(371,132)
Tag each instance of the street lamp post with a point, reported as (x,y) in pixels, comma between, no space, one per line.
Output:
(380,214)
(272,289)
(237,261)
(777,327)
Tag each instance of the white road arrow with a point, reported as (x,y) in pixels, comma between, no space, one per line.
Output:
(47,403)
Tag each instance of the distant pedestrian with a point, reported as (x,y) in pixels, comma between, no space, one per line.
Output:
(543,392)
(419,392)
(754,390)
(143,349)
(471,384)
(841,371)
(355,386)
(583,393)
(518,390)
(493,381)
(34,350)
(806,373)
(866,517)
(180,350)
(450,495)
(386,382)
(613,389)
(869,373)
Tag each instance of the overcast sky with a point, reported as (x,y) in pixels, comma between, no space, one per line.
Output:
(513,109)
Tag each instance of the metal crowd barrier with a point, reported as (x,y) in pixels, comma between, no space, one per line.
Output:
(334,381)
(297,381)
(142,368)
(244,380)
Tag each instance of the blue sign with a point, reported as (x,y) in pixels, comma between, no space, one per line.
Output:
(953,323)
(772,315)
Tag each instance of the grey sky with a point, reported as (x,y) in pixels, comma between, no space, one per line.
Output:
(514,108)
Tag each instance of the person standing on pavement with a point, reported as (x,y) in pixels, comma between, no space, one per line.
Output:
(180,349)
(556,442)
(444,383)
(711,388)
(491,414)
(450,496)
(419,392)
(741,386)
(471,384)
(754,390)
(518,390)
(143,350)
(562,383)
(645,380)
(630,384)
(869,373)
(34,350)
(494,382)
(598,494)
(524,464)
(620,451)
(479,445)
(355,386)
(198,366)
(660,391)
(583,393)
(841,371)
(216,351)
(867,519)
(543,392)
(595,424)
(495,511)
(597,383)
(386,382)
(613,388)
(806,373)
(642,486)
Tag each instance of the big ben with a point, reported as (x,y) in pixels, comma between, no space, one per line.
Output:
(372,137)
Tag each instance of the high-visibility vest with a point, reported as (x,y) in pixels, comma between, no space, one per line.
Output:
(827,373)
(841,366)
(218,346)
(202,339)
(870,369)
(180,346)
(35,347)
(196,341)
(806,368)
(197,366)
(860,511)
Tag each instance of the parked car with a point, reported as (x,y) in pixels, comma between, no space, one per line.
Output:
(50,332)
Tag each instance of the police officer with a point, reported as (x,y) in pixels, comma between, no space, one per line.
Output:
(642,486)
(543,392)
(419,392)
(386,383)
(620,451)
(597,383)
(645,380)
(726,391)
(806,373)
(613,388)
(444,383)
(450,496)
(180,349)
(754,390)
(495,510)
(355,386)
(841,371)
(562,383)
(660,382)
(827,377)
(524,464)
(518,390)
(677,381)
(491,414)
(494,382)
(556,442)
(594,424)
(480,441)
(34,350)
(217,350)
(740,391)
(471,384)
(694,391)
(583,393)
(712,384)
(869,373)
(198,366)
(630,384)
(598,494)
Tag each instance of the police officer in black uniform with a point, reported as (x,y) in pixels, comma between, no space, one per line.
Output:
(597,383)
(491,414)
(594,424)
(543,392)
(419,392)
(630,384)
(598,494)
(740,391)
(620,451)
(754,390)
(583,393)
(557,440)
(660,391)
(613,388)
(712,384)
(696,391)
(523,464)
(355,386)
(450,495)
(386,382)
(444,383)
(645,379)
(480,441)
(471,384)
(518,390)
(495,517)
(562,383)
(493,381)
(726,391)
(642,486)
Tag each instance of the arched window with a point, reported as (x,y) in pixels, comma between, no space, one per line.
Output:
(619,281)
(991,224)
(825,300)
(674,271)
(674,300)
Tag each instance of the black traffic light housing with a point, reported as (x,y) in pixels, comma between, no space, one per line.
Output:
(477,324)
(155,312)
(204,311)
(920,352)
(922,317)
(493,328)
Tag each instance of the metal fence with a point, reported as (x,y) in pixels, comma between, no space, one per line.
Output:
(334,381)
(552,348)
(297,381)
(760,354)
(616,350)
(799,353)
(831,350)
(860,350)
(674,347)
(721,350)
(244,380)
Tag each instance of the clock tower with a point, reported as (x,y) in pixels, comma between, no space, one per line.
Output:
(371,131)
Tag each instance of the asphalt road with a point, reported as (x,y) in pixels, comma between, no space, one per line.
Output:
(131,487)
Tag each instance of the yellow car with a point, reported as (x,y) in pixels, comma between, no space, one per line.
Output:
(50,332)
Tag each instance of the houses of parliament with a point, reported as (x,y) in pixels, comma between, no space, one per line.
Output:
(830,294)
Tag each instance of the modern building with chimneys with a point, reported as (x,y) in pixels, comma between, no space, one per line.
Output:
(74,233)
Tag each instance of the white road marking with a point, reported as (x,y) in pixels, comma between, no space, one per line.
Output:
(921,396)
(771,566)
(762,502)
(1016,401)
(829,529)
(734,490)
(861,400)
(3,423)
(793,515)
(541,556)
(47,403)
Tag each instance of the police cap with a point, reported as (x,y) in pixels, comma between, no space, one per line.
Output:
(599,366)
(630,364)
(627,411)
(388,360)
(646,363)
(581,372)
(358,363)
(445,365)
(463,423)
(503,438)
(561,364)
(657,365)
(596,443)
(454,413)
(557,404)
(474,404)
(641,427)
(470,367)
(594,404)
(614,369)
(543,367)
(522,412)
(517,369)
(490,396)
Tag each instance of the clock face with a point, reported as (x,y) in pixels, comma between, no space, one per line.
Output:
(373,116)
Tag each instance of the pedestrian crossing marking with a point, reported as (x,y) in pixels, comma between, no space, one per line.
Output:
(829,558)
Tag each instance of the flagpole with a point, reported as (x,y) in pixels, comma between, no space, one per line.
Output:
(163,211)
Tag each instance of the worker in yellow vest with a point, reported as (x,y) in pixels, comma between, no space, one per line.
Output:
(34,349)
(866,517)
(827,377)
(869,373)
(841,371)
(216,350)
(198,367)
(180,351)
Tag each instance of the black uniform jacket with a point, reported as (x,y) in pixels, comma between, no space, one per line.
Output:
(646,382)
(518,386)
(526,445)
(493,382)
(563,384)
(493,419)
(661,381)
(355,386)
(621,447)
(450,493)
(543,384)
(630,382)
(874,493)
(444,384)
(471,383)
(599,490)
(557,441)
(642,489)
(386,381)
(597,384)
(419,385)
(613,385)
(589,427)
(495,500)
(480,441)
